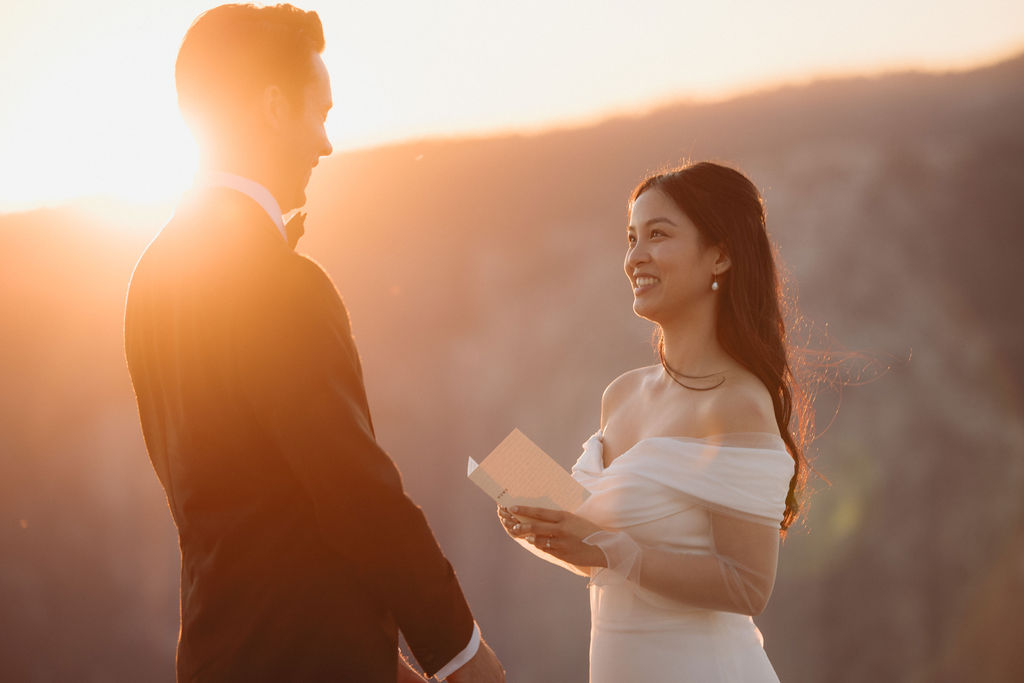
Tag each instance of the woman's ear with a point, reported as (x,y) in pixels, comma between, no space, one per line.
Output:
(722,261)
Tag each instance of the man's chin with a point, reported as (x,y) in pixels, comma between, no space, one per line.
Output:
(296,201)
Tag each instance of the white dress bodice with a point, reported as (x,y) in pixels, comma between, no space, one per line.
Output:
(663,492)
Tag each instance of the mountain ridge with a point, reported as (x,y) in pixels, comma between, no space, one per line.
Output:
(484,281)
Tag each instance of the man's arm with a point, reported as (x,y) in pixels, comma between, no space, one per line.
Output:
(407,674)
(300,373)
(484,667)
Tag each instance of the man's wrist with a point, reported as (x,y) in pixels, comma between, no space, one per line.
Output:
(462,658)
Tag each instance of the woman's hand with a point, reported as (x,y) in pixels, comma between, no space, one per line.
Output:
(554,532)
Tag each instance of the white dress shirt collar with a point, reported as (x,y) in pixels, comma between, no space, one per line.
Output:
(250,188)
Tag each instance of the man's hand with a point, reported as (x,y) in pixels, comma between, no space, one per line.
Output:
(407,674)
(483,668)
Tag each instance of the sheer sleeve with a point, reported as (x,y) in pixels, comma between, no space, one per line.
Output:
(739,480)
(736,574)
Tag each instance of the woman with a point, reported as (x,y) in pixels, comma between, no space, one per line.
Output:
(695,473)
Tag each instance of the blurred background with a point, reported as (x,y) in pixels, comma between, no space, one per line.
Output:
(473,219)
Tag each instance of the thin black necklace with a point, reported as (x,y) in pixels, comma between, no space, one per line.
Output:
(675,374)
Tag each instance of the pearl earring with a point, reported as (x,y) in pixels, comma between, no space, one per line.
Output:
(714,282)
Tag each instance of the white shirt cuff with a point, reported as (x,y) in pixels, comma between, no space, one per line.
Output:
(460,659)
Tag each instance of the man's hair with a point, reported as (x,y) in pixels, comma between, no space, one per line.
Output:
(232,52)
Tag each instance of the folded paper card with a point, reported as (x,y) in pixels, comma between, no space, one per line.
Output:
(519,472)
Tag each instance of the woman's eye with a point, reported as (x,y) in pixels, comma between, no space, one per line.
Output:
(657,233)
(631,239)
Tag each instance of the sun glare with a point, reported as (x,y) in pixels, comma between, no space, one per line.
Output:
(95,114)
(89,90)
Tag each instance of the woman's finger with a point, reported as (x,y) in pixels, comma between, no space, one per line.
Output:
(543,542)
(543,514)
(521,529)
(538,529)
(507,519)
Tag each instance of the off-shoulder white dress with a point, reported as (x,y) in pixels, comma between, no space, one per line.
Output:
(660,501)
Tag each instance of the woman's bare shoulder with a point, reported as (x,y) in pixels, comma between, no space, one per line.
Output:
(622,388)
(741,404)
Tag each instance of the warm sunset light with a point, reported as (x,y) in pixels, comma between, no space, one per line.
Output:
(89,102)
(236,410)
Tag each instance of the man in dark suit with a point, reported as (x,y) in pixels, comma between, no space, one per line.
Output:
(301,555)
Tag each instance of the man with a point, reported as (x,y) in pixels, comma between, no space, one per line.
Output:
(301,555)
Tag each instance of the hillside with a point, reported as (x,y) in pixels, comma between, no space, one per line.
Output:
(485,287)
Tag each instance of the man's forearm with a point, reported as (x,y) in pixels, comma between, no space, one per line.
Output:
(406,674)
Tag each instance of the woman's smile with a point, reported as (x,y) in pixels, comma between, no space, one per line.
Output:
(643,284)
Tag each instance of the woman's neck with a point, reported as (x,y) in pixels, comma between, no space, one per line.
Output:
(692,347)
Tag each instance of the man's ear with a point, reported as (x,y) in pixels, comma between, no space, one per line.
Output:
(275,107)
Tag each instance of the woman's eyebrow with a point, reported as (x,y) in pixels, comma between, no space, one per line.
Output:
(656,219)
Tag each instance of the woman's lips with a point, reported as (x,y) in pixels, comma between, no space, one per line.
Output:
(644,283)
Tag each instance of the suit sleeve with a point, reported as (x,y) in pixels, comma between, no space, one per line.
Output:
(301,374)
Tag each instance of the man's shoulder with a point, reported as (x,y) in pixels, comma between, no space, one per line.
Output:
(223,246)
(312,268)
(156,256)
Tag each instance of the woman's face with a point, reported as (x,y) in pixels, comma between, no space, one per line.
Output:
(668,266)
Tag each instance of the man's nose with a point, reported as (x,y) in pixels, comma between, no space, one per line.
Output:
(325,150)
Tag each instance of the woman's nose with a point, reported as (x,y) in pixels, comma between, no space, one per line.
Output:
(636,256)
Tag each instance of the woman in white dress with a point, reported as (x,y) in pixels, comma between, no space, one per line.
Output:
(695,473)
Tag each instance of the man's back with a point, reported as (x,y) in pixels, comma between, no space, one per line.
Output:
(302,556)
(235,343)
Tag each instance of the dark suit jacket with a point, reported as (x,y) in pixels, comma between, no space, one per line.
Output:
(301,555)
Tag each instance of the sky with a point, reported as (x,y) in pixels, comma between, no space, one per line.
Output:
(88,88)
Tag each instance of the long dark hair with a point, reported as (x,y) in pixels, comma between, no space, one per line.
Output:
(728,211)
